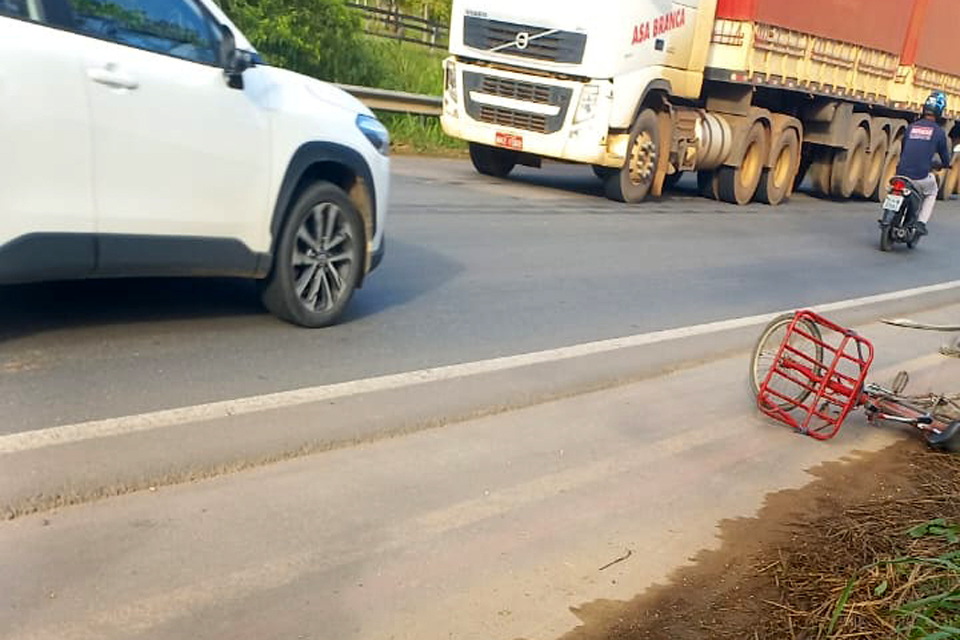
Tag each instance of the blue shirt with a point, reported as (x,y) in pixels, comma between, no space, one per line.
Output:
(924,139)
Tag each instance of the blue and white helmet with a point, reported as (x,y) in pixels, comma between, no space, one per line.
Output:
(936,104)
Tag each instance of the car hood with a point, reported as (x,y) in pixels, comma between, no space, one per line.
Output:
(319,90)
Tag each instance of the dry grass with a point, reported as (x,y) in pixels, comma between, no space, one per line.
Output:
(886,569)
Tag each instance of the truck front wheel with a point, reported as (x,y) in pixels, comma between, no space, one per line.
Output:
(635,179)
(492,161)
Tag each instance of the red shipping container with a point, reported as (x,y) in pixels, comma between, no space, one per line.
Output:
(876,24)
(932,37)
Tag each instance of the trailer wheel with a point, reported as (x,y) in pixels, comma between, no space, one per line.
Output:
(949,186)
(874,173)
(889,170)
(821,173)
(492,161)
(776,183)
(707,184)
(633,182)
(849,166)
(806,161)
(738,185)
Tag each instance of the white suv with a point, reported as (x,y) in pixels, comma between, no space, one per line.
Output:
(146,138)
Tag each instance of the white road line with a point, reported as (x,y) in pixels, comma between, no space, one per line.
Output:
(65,434)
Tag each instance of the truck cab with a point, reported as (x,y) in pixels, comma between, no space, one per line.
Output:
(752,95)
(546,79)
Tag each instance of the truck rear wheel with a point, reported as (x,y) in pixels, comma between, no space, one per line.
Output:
(492,161)
(849,166)
(889,170)
(672,179)
(874,171)
(707,184)
(776,183)
(821,173)
(635,179)
(738,185)
(950,181)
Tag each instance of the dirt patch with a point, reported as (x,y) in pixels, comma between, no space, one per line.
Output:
(780,575)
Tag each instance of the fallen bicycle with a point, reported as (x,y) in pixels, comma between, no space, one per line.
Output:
(810,374)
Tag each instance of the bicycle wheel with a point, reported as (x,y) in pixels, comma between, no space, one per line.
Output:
(765,354)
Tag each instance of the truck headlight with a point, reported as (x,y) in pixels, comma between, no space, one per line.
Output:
(375,132)
(589,99)
(450,99)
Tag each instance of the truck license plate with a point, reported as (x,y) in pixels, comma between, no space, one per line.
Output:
(893,203)
(509,141)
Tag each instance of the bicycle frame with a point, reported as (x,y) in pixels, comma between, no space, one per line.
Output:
(883,405)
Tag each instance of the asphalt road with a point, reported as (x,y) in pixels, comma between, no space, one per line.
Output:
(518,525)
(475,268)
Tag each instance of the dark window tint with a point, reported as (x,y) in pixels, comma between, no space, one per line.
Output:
(172,27)
(26,9)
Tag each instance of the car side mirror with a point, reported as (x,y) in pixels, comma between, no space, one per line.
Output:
(234,61)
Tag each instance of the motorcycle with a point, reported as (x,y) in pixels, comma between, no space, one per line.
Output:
(900,210)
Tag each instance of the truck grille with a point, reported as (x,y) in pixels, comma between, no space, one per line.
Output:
(501,87)
(565,47)
(512,118)
(519,90)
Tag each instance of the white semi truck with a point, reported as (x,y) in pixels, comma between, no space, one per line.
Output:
(753,95)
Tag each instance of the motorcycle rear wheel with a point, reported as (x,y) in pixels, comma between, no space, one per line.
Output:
(886,238)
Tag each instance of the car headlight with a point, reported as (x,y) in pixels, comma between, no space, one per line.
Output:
(375,132)
(450,98)
(589,99)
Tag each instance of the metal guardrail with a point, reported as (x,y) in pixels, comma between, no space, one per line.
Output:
(396,101)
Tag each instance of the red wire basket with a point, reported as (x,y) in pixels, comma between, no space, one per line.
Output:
(817,376)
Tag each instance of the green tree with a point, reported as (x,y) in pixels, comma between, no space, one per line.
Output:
(320,38)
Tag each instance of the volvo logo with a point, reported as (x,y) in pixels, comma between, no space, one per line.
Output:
(523,40)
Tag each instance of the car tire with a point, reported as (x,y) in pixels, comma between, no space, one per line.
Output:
(318,259)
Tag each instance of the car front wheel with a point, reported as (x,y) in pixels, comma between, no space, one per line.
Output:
(318,259)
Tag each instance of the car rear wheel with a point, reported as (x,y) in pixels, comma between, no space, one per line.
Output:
(318,259)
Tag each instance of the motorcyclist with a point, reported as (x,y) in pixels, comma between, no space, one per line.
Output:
(924,139)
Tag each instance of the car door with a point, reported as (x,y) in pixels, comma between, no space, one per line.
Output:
(46,190)
(180,158)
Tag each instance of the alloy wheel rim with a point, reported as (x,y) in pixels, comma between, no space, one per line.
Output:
(323,257)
